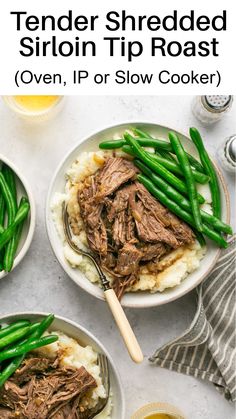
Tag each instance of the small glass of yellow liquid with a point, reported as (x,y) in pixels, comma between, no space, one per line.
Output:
(35,107)
(158,411)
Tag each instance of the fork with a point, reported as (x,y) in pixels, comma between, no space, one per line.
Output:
(105,378)
(119,315)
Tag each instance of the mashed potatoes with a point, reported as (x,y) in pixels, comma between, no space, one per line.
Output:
(72,354)
(172,269)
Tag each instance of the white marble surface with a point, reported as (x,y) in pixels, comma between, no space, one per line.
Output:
(39,282)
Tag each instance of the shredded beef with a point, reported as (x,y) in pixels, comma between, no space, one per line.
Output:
(115,173)
(41,389)
(128,259)
(153,251)
(182,232)
(5,413)
(126,226)
(149,229)
(91,210)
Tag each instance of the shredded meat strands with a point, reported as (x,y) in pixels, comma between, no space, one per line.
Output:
(126,226)
(40,389)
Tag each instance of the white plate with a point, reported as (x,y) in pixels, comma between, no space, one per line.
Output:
(85,338)
(140,299)
(23,189)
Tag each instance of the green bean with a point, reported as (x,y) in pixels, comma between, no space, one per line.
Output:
(37,329)
(162,153)
(148,142)
(43,326)
(145,142)
(181,200)
(157,168)
(175,168)
(216,223)
(170,164)
(167,146)
(2,219)
(16,362)
(182,214)
(8,259)
(32,328)
(9,199)
(11,205)
(10,179)
(188,174)
(2,252)
(2,209)
(112,144)
(18,234)
(200,238)
(9,232)
(141,133)
(14,242)
(12,327)
(10,369)
(166,155)
(209,168)
(14,336)
(27,347)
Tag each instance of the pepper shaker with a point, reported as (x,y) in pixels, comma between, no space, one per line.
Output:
(227,154)
(210,109)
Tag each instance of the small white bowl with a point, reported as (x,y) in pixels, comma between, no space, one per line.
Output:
(155,408)
(23,188)
(85,338)
(34,115)
(138,299)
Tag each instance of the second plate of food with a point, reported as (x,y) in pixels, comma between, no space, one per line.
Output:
(151,256)
(69,368)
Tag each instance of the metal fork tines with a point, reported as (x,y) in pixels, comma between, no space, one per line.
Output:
(105,378)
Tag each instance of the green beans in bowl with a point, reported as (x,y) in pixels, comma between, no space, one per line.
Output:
(17,216)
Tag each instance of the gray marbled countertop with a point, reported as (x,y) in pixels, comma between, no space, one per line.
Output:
(40,284)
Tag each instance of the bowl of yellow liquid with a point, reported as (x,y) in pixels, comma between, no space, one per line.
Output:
(158,411)
(35,107)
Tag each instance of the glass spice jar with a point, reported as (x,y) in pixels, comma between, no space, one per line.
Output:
(226,154)
(212,108)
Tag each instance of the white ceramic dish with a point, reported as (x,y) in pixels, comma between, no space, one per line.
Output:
(161,408)
(23,188)
(35,116)
(84,337)
(139,299)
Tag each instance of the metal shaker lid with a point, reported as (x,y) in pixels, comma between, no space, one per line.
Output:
(217,103)
(232,148)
